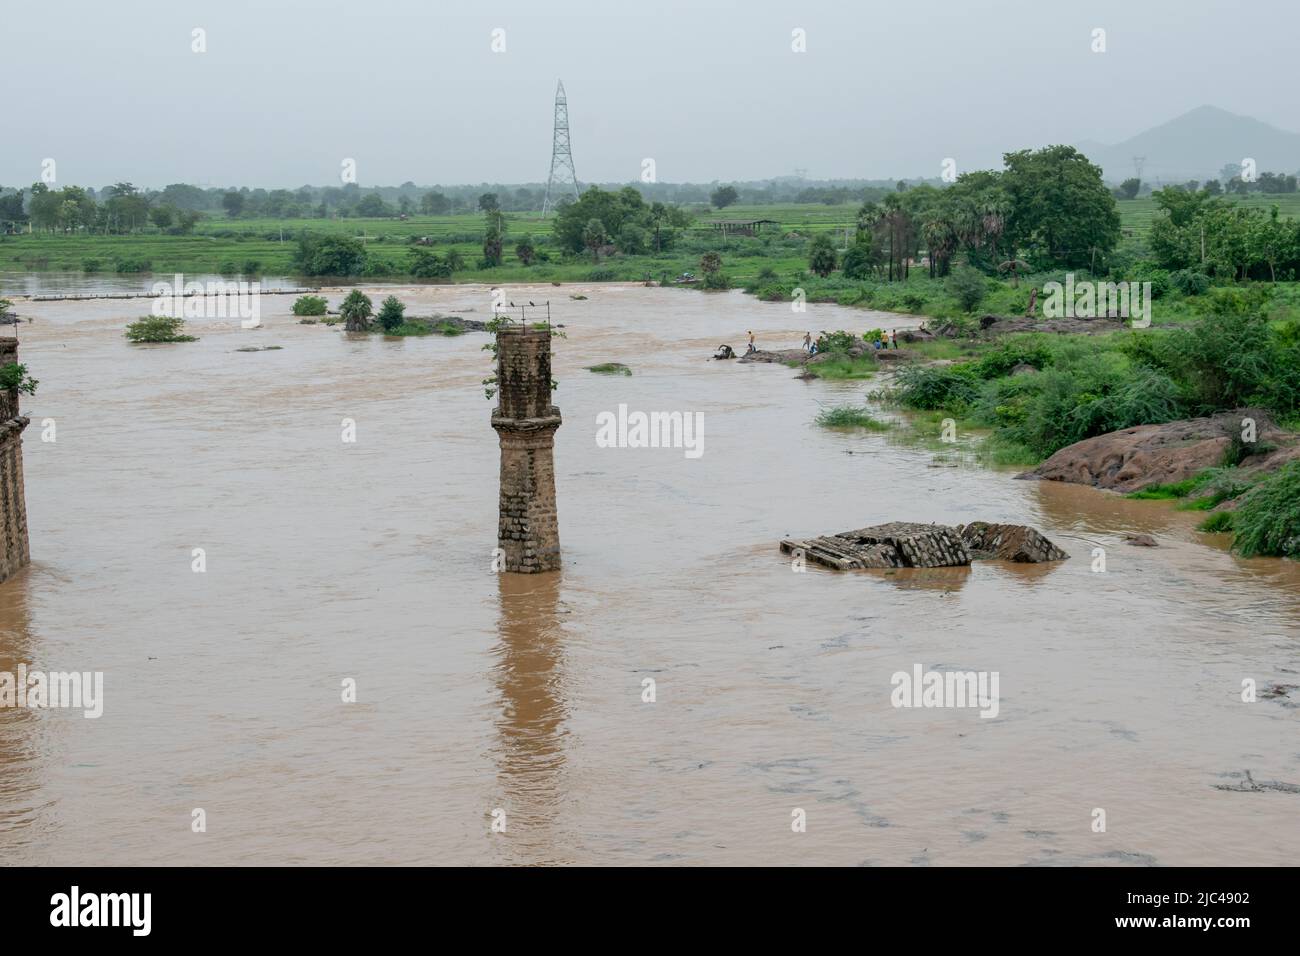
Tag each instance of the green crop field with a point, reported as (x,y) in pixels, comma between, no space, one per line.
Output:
(1135,215)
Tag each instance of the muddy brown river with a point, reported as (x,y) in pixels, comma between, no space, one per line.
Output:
(371,561)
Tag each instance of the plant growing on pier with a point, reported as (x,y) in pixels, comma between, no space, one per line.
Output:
(158,328)
(356,311)
(14,377)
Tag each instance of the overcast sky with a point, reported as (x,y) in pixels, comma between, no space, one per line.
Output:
(412,90)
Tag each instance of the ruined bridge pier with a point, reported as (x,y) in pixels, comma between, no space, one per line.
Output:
(525,421)
(14,548)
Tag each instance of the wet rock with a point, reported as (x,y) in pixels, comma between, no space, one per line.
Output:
(901,544)
(1024,368)
(1136,458)
(1140,540)
(782,355)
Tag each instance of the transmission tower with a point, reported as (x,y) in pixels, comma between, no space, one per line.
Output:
(1138,163)
(563,176)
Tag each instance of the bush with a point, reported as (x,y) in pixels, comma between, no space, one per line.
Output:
(838,341)
(1267,519)
(931,387)
(850,416)
(91,265)
(1188,282)
(329,255)
(157,328)
(127,266)
(310,305)
(391,313)
(715,281)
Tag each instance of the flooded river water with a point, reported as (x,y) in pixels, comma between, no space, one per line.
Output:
(371,561)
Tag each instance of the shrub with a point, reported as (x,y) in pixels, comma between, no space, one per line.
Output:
(310,305)
(934,387)
(610,368)
(715,281)
(91,265)
(391,313)
(850,416)
(838,341)
(125,266)
(157,328)
(1267,519)
(1188,282)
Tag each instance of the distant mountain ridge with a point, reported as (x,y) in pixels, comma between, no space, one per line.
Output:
(1197,145)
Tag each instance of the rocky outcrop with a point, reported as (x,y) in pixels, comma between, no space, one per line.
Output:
(901,544)
(1136,458)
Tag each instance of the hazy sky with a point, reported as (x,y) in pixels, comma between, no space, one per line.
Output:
(411,89)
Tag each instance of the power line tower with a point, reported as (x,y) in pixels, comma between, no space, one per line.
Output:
(1138,163)
(563,176)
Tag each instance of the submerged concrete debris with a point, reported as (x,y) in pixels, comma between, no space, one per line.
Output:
(902,544)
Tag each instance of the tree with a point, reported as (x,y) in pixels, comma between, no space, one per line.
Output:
(613,209)
(710,262)
(434,204)
(372,205)
(162,216)
(233,203)
(494,236)
(391,313)
(724,196)
(524,250)
(425,264)
(1129,187)
(593,237)
(1059,205)
(821,255)
(318,255)
(488,202)
(356,311)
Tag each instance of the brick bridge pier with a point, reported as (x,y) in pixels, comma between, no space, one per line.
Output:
(525,420)
(13,503)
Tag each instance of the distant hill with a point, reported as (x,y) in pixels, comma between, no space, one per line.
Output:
(1197,145)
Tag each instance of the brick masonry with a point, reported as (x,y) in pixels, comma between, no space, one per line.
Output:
(525,421)
(901,544)
(13,503)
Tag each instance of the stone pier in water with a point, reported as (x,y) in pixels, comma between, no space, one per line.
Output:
(525,420)
(13,503)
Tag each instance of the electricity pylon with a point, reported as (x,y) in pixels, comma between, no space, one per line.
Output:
(563,176)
